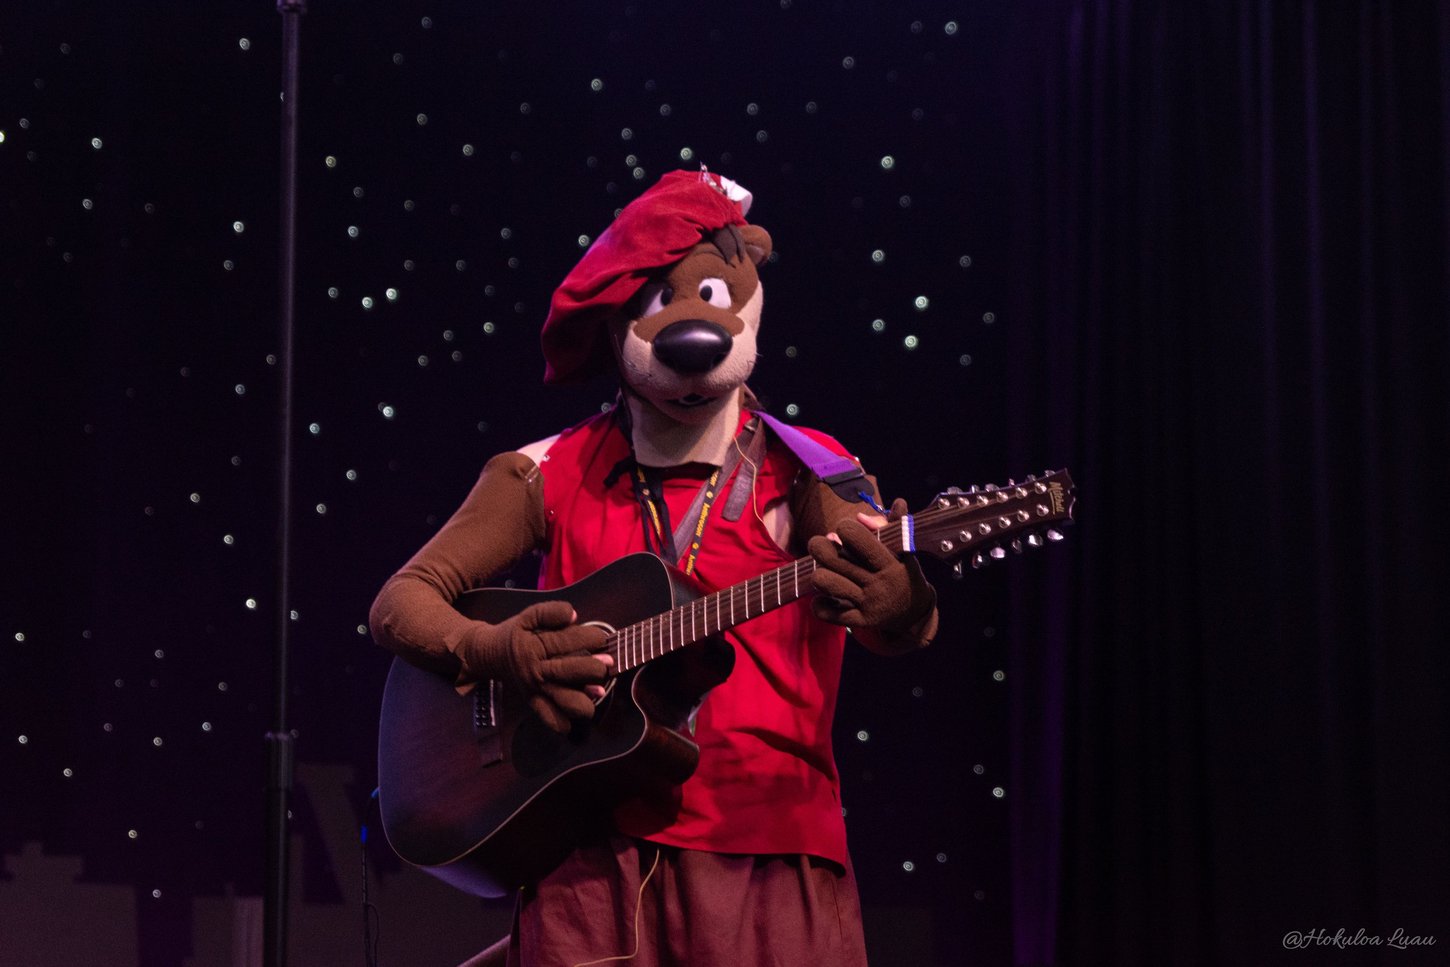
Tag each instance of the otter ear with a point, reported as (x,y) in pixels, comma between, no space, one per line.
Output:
(757,243)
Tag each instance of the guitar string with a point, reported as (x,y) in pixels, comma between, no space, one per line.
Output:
(638,904)
(645,629)
(631,644)
(644,634)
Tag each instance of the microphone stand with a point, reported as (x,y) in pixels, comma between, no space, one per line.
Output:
(280,755)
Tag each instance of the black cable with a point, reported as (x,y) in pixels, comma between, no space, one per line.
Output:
(371,919)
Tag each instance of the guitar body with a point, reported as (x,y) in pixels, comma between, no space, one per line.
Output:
(477,790)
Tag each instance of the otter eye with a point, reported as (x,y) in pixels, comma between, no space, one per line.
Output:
(653,298)
(715,292)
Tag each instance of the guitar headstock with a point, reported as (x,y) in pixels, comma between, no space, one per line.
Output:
(985,522)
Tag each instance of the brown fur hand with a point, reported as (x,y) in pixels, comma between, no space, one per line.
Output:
(861,584)
(542,652)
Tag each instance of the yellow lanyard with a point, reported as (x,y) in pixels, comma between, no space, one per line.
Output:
(667,540)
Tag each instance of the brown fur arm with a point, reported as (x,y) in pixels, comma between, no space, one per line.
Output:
(818,511)
(501,520)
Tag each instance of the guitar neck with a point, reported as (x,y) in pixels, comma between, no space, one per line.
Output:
(981,524)
(719,611)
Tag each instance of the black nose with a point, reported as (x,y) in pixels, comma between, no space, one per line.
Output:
(692,345)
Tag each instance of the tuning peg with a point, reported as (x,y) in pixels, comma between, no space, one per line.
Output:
(1017,545)
(1011,482)
(1054,535)
(997,553)
(1031,477)
(954,490)
(1034,540)
(957,571)
(978,560)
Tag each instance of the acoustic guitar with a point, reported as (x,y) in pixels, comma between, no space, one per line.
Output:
(477,791)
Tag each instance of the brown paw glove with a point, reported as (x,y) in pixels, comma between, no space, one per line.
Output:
(545,654)
(862,584)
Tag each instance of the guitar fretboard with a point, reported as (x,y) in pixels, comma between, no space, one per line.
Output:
(713,613)
(957,523)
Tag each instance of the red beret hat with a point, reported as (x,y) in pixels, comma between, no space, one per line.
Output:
(655,230)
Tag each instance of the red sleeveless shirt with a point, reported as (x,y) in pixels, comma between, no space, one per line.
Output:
(767,780)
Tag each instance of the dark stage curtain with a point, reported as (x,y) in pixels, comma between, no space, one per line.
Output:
(1230,698)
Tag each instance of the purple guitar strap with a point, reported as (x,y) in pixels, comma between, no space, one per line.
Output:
(841,474)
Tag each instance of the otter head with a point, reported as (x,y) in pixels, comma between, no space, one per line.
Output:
(688,343)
